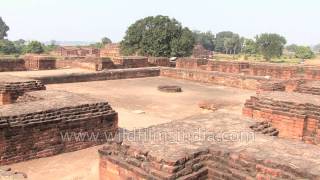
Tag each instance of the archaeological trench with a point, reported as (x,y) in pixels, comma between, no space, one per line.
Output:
(283,117)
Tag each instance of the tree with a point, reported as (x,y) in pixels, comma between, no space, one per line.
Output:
(7,47)
(3,29)
(292,48)
(157,36)
(270,45)
(105,41)
(34,47)
(249,47)
(228,42)
(206,39)
(304,52)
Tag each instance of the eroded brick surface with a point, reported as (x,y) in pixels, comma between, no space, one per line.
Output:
(225,148)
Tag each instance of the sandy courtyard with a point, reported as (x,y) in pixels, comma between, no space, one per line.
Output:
(139,104)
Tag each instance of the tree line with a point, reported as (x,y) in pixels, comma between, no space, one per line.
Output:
(164,36)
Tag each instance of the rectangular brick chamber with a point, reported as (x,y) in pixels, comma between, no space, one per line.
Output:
(295,115)
(50,123)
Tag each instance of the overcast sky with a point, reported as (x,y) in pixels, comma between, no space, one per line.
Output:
(89,20)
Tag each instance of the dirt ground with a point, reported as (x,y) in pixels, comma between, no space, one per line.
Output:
(139,104)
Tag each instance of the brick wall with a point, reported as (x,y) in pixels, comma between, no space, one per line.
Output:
(226,66)
(277,71)
(159,61)
(295,115)
(312,73)
(219,78)
(111,50)
(130,61)
(9,64)
(190,63)
(39,62)
(89,63)
(100,76)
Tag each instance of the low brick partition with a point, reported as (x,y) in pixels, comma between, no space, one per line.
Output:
(101,75)
(159,61)
(58,122)
(12,87)
(190,63)
(295,115)
(89,63)
(130,61)
(145,155)
(11,64)
(39,62)
(218,78)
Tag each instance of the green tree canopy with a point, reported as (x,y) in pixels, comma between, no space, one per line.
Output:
(228,42)
(7,47)
(105,41)
(157,36)
(3,29)
(292,48)
(250,47)
(34,47)
(304,52)
(270,45)
(206,39)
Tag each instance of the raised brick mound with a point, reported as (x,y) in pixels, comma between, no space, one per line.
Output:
(277,71)
(130,61)
(11,64)
(169,88)
(39,62)
(12,87)
(295,115)
(147,156)
(51,125)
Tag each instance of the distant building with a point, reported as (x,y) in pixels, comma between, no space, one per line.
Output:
(111,50)
(200,52)
(74,51)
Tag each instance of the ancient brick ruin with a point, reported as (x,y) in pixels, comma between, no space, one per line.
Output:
(39,62)
(72,51)
(111,50)
(10,64)
(11,88)
(283,118)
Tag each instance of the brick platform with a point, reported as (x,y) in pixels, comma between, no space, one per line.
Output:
(226,66)
(52,125)
(312,87)
(12,87)
(295,115)
(163,152)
